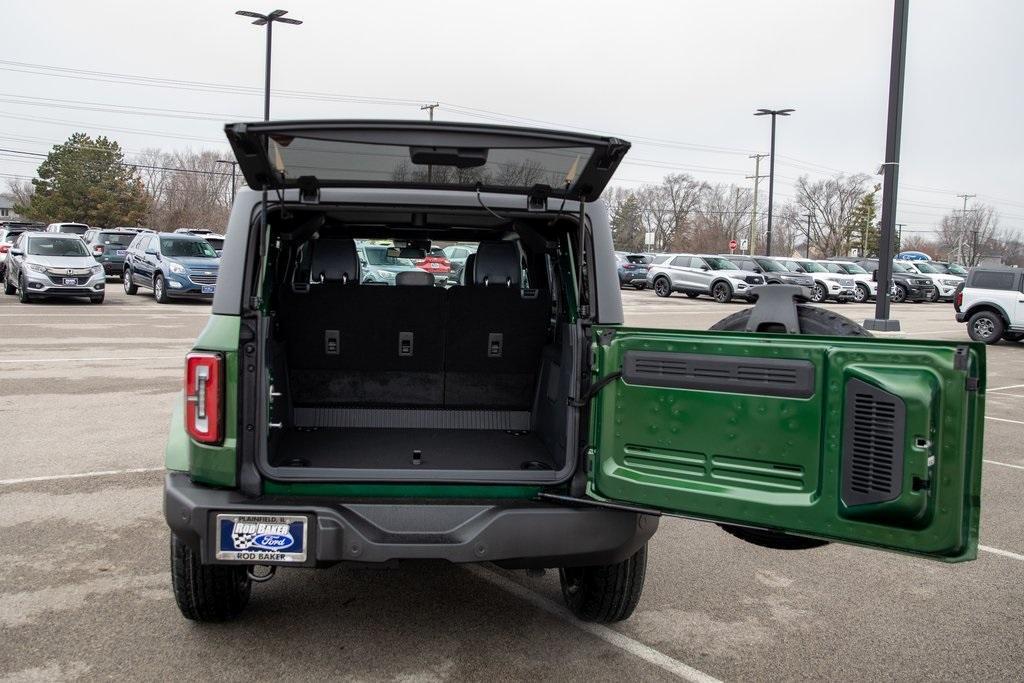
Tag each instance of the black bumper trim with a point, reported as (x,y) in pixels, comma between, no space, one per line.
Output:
(513,533)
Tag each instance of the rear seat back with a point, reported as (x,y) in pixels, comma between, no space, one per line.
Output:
(474,346)
(495,333)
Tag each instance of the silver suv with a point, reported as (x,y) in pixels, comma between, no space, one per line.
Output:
(827,285)
(53,264)
(696,274)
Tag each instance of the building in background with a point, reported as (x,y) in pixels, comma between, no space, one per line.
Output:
(7,212)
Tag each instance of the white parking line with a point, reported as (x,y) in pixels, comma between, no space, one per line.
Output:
(1012,386)
(1004,553)
(623,642)
(1004,464)
(79,475)
(86,360)
(1003,419)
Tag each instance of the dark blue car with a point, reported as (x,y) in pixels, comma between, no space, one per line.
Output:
(172,265)
(632,269)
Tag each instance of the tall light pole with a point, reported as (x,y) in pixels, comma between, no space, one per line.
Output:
(891,169)
(268,21)
(771,171)
(234,164)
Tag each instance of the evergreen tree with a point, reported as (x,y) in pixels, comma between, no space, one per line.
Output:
(863,232)
(85,181)
(627,225)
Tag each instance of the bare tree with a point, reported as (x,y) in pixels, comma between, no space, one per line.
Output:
(966,236)
(19,192)
(832,203)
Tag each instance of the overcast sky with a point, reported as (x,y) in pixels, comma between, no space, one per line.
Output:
(678,78)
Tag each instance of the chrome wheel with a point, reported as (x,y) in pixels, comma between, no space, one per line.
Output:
(861,294)
(818,294)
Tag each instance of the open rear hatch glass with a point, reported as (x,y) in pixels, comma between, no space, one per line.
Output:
(314,154)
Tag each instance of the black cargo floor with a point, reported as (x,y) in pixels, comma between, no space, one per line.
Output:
(456,449)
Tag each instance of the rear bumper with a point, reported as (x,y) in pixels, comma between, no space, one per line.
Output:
(513,533)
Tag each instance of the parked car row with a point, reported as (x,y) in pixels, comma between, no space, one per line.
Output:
(62,260)
(728,276)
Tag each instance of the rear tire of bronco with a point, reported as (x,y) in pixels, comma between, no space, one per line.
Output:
(207,592)
(605,593)
(812,320)
(986,326)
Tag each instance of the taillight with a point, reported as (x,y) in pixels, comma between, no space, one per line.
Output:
(4,248)
(628,266)
(958,300)
(97,249)
(204,397)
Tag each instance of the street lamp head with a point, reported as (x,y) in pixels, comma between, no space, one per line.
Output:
(289,21)
(773,112)
(246,13)
(277,13)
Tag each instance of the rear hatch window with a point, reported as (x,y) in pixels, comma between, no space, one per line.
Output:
(420,154)
(120,239)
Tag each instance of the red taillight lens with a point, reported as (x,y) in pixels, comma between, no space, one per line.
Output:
(959,299)
(204,397)
(97,249)
(4,248)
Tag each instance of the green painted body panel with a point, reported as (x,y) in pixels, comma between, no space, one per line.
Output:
(462,491)
(218,465)
(775,462)
(177,449)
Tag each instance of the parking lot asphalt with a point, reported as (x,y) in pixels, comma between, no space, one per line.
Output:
(85,591)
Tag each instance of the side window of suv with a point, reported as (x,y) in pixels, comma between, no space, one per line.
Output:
(697,262)
(993,280)
(681,261)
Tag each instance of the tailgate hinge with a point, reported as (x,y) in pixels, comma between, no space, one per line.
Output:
(776,304)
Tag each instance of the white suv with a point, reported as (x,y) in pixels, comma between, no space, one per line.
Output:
(992,304)
(945,283)
(866,287)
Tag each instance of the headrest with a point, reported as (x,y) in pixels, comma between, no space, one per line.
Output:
(335,261)
(467,270)
(417,278)
(497,264)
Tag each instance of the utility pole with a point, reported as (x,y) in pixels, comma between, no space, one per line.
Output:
(807,243)
(899,239)
(963,224)
(431,107)
(753,216)
(891,168)
(234,165)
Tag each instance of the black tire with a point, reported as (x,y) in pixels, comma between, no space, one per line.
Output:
(160,289)
(861,293)
(207,592)
(1013,336)
(129,287)
(9,289)
(818,293)
(96,298)
(934,296)
(693,295)
(986,326)
(899,293)
(663,286)
(722,292)
(23,295)
(812,320)
(605,593)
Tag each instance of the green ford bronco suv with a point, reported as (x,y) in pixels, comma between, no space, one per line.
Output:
(509,416)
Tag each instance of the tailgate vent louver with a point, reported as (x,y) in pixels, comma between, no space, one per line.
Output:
(762,376)
(873,436)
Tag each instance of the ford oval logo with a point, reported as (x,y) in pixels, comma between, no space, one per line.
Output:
(273,541)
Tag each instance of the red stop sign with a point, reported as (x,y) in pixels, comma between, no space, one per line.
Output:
(732,244)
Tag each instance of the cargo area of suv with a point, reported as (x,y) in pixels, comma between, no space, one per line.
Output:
(408,379)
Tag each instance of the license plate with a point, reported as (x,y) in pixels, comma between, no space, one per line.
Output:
(122,252)
(261,538)
(71,280)
(208,289)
